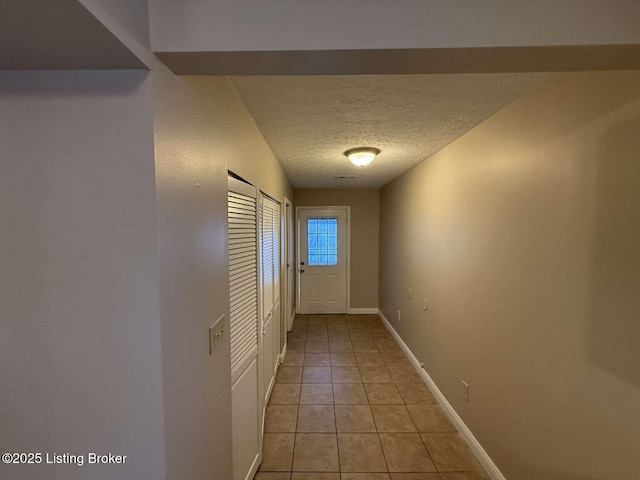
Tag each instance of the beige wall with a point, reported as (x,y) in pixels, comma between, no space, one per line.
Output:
(112,279)
(80,333)
(364,237)
(197,26)
(192,251)
(523,234)
(113,246)
(244,149)
(201,130)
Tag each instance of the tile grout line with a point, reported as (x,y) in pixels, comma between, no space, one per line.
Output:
(335,421)
(297,420)
(430,455)
(376,423)
(410,418)
(295,433)
(385,365)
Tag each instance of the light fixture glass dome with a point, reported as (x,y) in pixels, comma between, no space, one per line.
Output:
(362,156)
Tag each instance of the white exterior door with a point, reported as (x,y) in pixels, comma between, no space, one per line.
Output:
(322,260)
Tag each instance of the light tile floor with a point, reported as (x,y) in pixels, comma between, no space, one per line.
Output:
(348,405)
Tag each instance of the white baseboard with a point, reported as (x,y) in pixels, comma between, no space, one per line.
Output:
(473,443)
(362,311)
(290,324)
(272,382)
(254,467)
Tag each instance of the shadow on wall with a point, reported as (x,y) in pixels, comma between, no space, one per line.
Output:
(613,330)
(72,82)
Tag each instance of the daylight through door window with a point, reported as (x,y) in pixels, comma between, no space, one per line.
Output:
(322,241)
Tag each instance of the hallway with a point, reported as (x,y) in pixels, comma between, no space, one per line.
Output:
(348,400)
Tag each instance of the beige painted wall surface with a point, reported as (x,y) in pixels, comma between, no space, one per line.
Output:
(192,249)
(244,149)
(80,334)
(523,234)
(201,129)
(364,236)
(195,25)
(109,280)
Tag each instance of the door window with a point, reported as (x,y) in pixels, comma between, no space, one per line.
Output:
(322,241)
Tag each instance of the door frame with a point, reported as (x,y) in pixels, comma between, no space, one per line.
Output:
(289,258)
(297,248)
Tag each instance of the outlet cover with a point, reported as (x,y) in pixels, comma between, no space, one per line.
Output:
(465,391)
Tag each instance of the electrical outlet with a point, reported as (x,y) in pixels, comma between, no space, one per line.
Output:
(398,316)
(216,331)
(410,294)
(425,305)
(465,391)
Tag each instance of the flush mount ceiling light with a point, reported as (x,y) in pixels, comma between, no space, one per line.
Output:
(362,156)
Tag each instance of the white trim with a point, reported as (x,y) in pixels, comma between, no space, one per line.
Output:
(239,186)
(270,389)
(472,442)
(282,356)
(297,250)
(254,467)
(287,235)
(363,311)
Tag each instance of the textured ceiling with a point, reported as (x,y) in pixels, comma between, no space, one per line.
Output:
(309,121)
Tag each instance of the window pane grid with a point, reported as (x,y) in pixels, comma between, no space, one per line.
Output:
(322,241)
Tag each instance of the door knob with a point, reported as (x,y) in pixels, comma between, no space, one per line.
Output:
(301,270)
(301,263)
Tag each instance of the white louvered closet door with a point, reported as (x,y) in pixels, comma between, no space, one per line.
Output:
(267,235)
(276,253)
(243,279)
(244,324)
(270,290)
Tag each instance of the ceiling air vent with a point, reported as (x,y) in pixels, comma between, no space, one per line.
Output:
(345,177)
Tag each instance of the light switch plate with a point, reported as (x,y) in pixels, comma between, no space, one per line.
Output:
(216,332)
